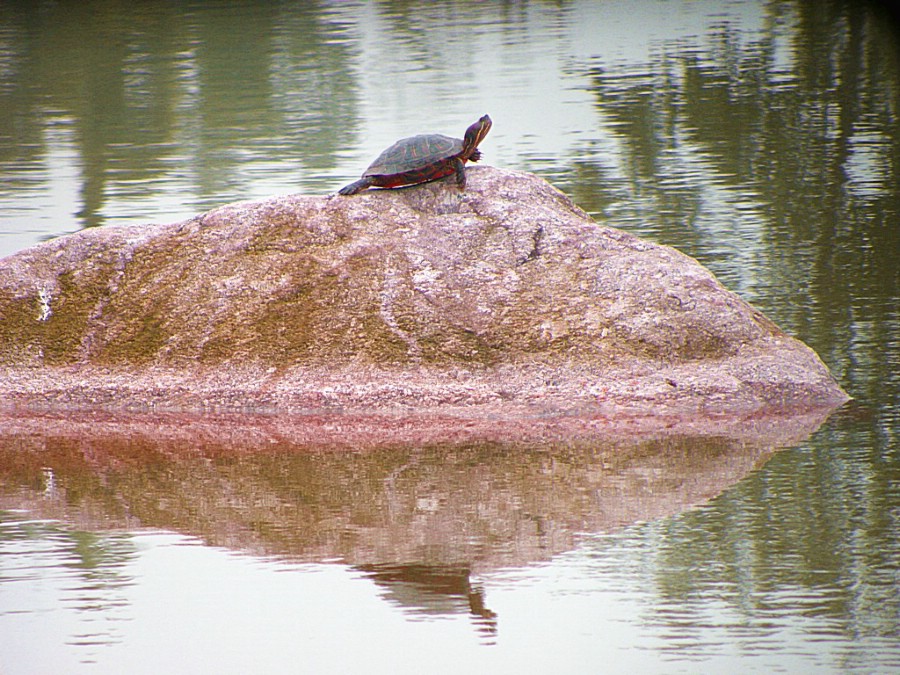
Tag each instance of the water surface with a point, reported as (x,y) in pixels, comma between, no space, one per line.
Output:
(762,138)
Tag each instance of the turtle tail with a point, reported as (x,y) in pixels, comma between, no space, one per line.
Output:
(357,186)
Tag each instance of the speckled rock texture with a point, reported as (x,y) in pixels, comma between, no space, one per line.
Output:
(503,300)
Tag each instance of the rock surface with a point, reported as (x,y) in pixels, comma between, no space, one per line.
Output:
(505,299)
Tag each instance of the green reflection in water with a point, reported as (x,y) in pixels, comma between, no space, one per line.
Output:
(186,99)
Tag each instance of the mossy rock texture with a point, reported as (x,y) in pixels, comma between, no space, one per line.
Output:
(505,296)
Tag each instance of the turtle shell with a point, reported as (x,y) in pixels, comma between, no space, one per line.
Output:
(416,154)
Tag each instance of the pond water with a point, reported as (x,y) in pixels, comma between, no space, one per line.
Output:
(762,138)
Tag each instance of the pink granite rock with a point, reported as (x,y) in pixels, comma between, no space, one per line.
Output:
(504,299)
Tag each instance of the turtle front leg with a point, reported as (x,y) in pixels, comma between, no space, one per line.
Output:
(460,167)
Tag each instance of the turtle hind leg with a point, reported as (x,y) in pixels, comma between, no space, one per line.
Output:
(357,186)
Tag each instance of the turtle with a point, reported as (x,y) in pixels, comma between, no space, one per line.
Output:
(424,158)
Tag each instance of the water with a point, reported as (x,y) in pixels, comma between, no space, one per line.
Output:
(520,558)
(761,138)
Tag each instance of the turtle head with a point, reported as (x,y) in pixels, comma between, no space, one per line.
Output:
(474,135)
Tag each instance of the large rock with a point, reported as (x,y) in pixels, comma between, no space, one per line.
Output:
(504,299)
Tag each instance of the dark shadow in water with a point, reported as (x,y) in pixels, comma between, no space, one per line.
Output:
(434,590)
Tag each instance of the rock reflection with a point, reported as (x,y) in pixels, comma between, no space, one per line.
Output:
(420,505)
(430,492)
